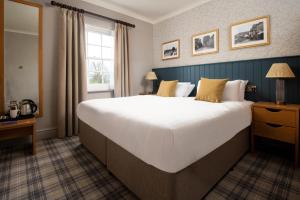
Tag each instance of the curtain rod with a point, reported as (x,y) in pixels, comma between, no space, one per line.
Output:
(54,3)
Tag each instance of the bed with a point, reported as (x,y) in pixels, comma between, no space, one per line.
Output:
(166,148)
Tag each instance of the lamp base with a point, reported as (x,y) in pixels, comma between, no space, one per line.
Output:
(280,92)
(280,103)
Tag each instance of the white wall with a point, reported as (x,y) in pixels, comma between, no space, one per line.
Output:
(140,57)
(285,26)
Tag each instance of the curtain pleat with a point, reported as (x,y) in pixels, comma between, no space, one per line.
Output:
(122,72)
(72,83)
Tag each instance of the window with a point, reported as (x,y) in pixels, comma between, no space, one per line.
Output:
(99,58)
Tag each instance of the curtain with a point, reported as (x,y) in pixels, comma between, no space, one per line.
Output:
(72,80)
(122,85)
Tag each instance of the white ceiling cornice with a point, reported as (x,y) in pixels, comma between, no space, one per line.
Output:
(119,9)
(133,14)
(179,11)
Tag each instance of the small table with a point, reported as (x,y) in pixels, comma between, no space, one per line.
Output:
(19,128)
(276,122)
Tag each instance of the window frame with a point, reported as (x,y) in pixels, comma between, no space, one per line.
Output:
(99,87)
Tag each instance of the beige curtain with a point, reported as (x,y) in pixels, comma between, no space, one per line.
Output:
(122,85)
(72,83)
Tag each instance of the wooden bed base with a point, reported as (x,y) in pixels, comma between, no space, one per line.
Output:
(148,182)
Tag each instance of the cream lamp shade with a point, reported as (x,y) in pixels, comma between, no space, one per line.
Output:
(280,70)
(151,76)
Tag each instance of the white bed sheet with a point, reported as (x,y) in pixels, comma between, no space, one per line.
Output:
(167,133)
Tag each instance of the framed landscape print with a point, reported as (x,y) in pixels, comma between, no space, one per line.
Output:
(250,33)
(170,50)
(205,43)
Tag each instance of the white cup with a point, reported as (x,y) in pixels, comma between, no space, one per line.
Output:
(13,113)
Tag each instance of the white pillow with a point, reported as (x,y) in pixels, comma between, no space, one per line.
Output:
(189,90)
(232,91)
(242,89)
(181,89)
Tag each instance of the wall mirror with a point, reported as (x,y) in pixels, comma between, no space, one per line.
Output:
(22,53)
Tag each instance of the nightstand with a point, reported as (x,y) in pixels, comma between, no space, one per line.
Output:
(19,128)
(276,122)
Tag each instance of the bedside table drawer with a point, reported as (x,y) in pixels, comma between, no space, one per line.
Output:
(275,116)
(276,132)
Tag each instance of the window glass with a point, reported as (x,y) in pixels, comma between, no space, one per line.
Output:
(94,38)
(107,53)
(94,51)
(107,41)
(99,58)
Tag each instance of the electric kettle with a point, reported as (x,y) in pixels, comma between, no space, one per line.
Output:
(27,107)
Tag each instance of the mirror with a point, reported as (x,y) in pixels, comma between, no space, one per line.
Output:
(22,53)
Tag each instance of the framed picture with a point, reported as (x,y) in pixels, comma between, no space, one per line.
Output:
(250,33)
(170,50)
(205,43)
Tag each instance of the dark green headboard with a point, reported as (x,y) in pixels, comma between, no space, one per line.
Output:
(252,70)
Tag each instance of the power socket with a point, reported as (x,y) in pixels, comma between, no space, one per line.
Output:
(251,88)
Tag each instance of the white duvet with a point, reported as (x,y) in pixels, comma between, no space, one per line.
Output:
(167,133)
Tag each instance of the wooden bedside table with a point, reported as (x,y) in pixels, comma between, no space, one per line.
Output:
(277,122)
(19,128)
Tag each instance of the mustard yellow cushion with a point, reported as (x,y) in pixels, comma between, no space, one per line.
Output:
(167,88)
(211,90)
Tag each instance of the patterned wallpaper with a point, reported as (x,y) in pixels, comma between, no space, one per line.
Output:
(285,30)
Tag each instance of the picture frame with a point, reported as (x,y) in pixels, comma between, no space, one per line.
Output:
(205,43)
(250,33)
(170,50)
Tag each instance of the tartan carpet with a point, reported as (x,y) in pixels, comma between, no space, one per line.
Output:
(64,169)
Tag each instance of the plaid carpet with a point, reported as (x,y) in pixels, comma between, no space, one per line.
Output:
(63,169)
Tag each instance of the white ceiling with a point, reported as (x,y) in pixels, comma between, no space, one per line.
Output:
(152,11)
(20,18)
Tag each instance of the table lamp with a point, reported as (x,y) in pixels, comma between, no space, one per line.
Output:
(280,71)
(151,76)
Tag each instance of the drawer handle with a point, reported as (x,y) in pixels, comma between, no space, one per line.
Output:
(274,125)
(273,109)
